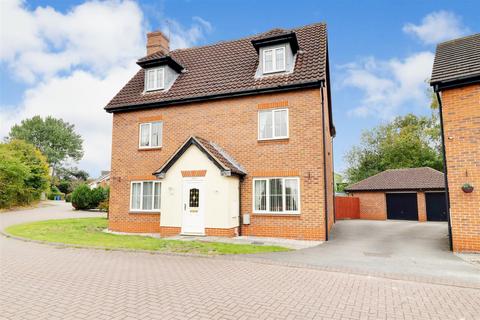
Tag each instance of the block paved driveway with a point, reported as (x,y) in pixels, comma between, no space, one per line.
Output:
(45,282)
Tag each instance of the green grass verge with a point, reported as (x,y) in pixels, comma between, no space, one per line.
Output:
(88,232)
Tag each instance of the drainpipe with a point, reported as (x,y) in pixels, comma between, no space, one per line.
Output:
(444,158)
(240,206)
(325,194)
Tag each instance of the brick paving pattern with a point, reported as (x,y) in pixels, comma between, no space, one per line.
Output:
(45,282)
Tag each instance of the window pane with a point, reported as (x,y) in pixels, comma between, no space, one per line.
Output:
(280,123)
(159,78)
(291,194)
(260,195)
(265,124)
(276,191)
(194,198)
(145,135)
(268,61)
(156,195)
(280,59)
(157,134)
(150,79)
(136,195)
(147,195)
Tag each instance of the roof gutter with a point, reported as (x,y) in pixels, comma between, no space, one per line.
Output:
(444,156)
(132,107)
(325,193)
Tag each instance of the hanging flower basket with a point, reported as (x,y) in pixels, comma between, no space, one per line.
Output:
(467,188)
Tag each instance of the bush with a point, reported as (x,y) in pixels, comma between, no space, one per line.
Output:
(68,197)
(23,173)
(97,196)
(103,206)
(81,197)
(84,198)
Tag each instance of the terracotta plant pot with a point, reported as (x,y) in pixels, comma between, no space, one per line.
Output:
(467,188)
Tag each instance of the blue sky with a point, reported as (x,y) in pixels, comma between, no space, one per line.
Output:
(68,58)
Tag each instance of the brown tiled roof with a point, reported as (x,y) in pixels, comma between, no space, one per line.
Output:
(216,154)
(457,60)
(402,179)
(229,68)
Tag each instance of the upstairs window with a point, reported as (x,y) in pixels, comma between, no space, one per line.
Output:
(273,124)
(154,79)
(274,60)
(151,135)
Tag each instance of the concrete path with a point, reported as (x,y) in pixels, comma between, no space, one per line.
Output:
(397,249)
(46,282)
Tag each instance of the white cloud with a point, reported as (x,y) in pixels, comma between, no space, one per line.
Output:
(437,27)
(389,85)
(75,62)
(181,37)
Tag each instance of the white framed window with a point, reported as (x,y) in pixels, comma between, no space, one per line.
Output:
(145,196)
(276,195)
(274,60)
(272,124)
(154,79)
(151,134)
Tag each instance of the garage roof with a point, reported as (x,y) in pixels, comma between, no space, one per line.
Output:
(402,179)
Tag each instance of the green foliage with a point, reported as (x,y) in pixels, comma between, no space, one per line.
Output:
(67,179)
(23,173)
(103,206)
(84,198)
(340,185)
(81,197)
(68,197)
(55,138)
(407,142)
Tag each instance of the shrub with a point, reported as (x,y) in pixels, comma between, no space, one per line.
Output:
(81,197)
(23,173)
(97,196)
(68,197)
(84,198)
(103,206)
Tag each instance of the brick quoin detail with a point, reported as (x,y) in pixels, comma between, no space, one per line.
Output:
(232,124)
(461,122)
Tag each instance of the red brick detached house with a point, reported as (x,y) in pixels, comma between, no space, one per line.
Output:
(226,139)
(456,81)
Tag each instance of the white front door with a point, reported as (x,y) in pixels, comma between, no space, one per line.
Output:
(193,220)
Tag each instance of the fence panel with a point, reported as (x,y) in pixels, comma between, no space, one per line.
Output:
(347,208)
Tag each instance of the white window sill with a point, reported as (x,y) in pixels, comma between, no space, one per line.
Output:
(149,148)
(144,211)
(272,139)
(276,213)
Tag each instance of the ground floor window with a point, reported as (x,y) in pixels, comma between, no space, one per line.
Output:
(276,195)
(145,196)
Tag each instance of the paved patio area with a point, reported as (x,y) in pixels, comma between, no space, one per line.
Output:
(45,282)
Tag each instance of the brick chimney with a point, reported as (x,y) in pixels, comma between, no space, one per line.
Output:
(157,42)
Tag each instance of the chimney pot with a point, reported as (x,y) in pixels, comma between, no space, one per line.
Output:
(157,42)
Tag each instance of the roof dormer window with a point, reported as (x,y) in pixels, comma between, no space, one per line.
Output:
(155,79)
(274,60)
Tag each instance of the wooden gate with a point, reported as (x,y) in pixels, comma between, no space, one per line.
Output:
(347,208)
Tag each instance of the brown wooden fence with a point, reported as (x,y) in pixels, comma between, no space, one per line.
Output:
(347,208)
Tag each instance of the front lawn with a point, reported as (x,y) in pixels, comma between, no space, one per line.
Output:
(89,232)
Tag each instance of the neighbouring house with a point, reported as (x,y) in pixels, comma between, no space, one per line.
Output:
(226,139)
(402,194)
(456,81)
(102,181)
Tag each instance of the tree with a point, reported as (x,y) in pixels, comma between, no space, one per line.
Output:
(23,173)
(55,138)
(67,179)
(407,142)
